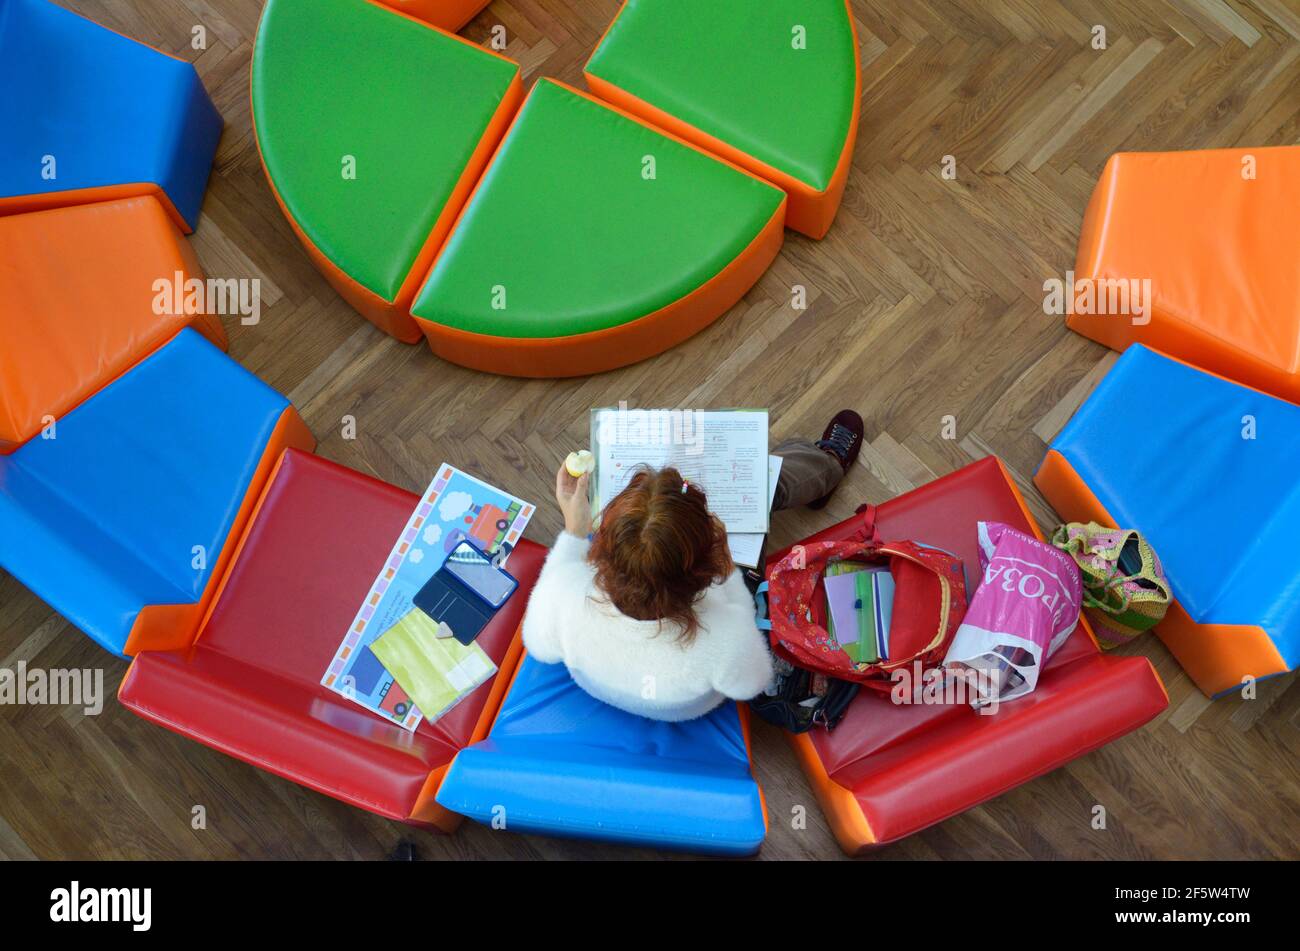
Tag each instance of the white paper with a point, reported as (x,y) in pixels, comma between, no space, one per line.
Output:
(747,548)
(722,451)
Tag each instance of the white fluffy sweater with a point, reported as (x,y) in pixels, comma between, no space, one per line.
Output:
(639,666)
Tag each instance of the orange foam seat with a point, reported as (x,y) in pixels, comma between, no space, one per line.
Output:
(79,306)
(1218,235)
(449,15)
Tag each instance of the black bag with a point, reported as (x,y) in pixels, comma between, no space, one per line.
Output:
(804,699)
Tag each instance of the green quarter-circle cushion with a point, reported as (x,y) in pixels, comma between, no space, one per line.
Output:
(346,85)
(774,79)
(586,221)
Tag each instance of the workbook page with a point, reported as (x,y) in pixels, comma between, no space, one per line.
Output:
(722,451)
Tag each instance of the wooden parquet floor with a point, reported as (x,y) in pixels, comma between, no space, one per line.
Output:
(924,302)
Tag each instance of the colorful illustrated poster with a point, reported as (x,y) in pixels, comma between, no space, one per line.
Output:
(456,507)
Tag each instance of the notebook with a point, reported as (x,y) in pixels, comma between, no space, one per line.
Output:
(859,602)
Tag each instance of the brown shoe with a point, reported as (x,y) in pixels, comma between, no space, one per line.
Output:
(842,440)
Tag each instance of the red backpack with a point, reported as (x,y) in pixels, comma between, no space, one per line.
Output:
(929,603)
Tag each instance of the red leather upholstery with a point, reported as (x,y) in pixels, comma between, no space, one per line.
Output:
(890,770)
(250,686)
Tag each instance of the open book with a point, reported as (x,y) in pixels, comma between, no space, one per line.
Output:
(722,451)
(746,547)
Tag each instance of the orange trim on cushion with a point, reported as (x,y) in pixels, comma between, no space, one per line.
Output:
(426,809)
(174,626)
(1168,334)
(21,204)
(1215,656)
(601,350)
(742,709)
(841,808)
(811,212)
(449,15)
(385,315)
(393,317)
(502,120)
(263,493)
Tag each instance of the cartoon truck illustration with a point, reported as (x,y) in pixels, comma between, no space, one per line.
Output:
(366,674)
(486,525)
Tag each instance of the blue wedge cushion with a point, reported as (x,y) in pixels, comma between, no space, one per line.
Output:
(560,762)
(1206,470)
(108,110)
(104,519)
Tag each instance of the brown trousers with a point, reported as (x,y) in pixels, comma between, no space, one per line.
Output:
(807,473)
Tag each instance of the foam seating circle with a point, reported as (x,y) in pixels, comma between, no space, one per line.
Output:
(250,684)
(481,255)
(90,115)
(1205,469)
(890,770)
(1216,237)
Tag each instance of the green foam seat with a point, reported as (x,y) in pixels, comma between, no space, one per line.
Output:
(592,241)
(770,84)
(373,128)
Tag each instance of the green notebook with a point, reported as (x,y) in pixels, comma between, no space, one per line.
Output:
(863,650)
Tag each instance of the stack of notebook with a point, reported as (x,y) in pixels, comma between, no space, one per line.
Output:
(859,604)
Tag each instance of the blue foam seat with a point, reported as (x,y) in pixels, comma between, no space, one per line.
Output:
(559,762)
(102,521)
(108,111)
(1206,469)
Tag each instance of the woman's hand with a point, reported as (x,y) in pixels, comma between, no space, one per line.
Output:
(571,493)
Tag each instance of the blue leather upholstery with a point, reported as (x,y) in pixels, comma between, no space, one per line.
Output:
(559,762)
(109,110)
(102,520)
(1163,447)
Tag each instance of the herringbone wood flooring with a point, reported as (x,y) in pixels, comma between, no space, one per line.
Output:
(923,303)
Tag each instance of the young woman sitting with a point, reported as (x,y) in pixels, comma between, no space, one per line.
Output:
(650,615)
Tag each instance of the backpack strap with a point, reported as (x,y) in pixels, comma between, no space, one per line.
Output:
(760,605)
(866,531)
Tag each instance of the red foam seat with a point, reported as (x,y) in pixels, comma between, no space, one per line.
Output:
(250,684)
(891,770)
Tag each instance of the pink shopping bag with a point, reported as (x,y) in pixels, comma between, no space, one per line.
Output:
(1025,608)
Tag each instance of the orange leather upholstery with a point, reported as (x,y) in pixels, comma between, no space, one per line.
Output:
(1217,234)
(80,304)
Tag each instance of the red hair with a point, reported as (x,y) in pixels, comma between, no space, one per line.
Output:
(658,549)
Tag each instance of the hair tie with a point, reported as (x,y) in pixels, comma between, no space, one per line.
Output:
(685,485)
